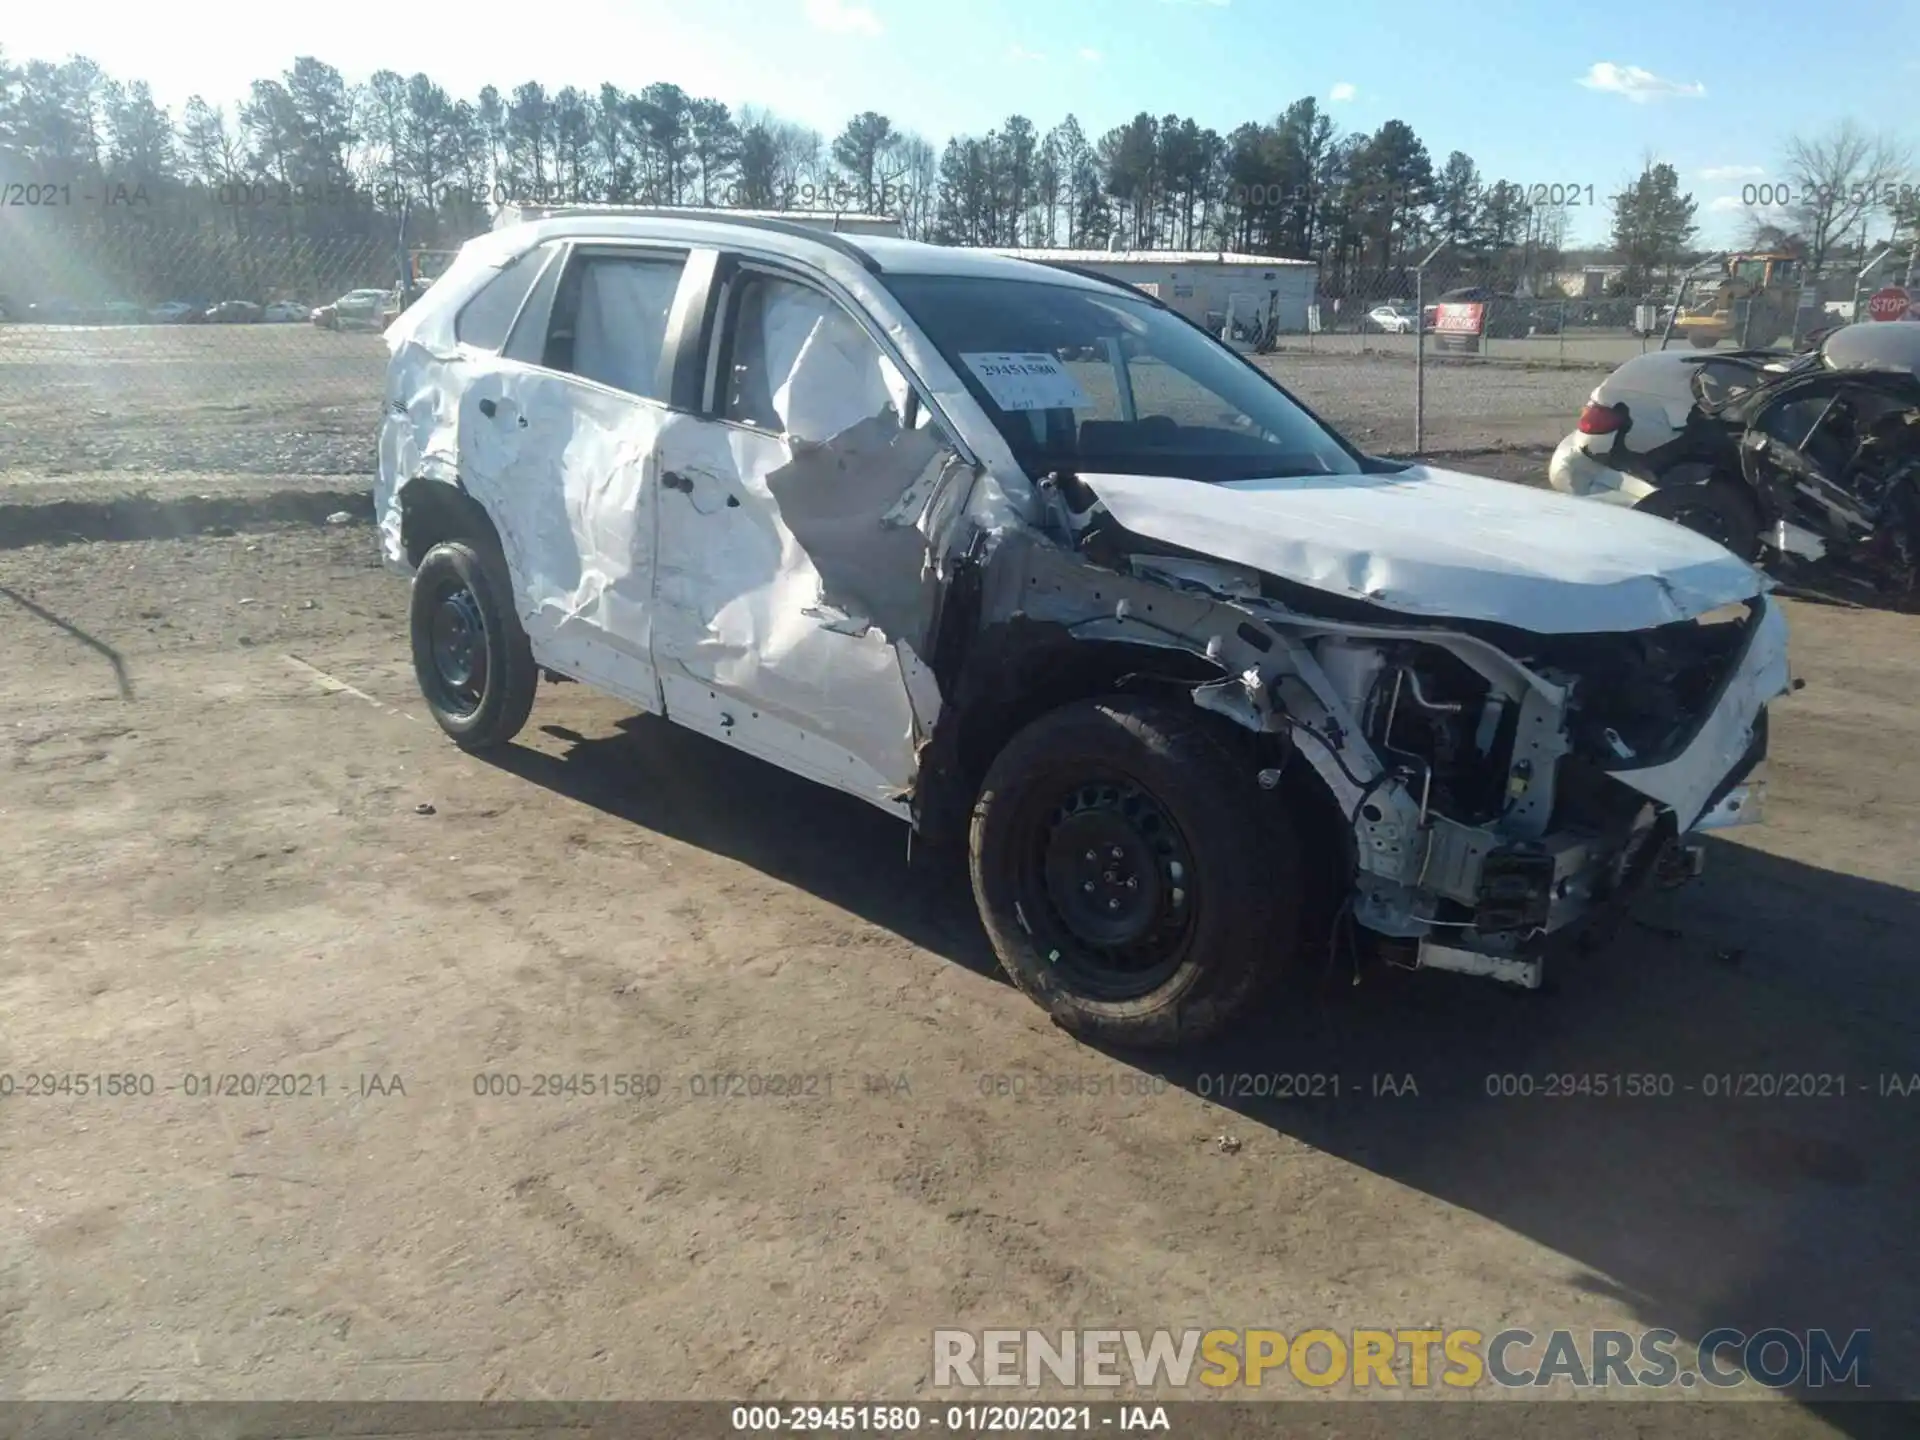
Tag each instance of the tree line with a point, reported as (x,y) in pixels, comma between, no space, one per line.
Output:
(311,164)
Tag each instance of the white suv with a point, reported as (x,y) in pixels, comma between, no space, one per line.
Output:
(1016,553)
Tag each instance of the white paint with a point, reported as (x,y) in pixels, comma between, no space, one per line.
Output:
(1684,783)
(1446,545)
(1574,470)
(738,627)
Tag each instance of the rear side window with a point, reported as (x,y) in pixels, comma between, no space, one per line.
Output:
(484,320)
(610,321)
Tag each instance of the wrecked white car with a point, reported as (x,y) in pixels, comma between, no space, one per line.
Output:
(1018,554)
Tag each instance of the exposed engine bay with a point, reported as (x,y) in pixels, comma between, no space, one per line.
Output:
(1496,786)
(1841,460)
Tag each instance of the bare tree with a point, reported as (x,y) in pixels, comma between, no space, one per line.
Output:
(1839,179)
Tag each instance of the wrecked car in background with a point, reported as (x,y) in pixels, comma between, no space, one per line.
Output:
(1016,553)
(1808,462)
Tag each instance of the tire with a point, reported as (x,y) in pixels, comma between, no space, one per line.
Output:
(1718,509)
(462,614)
(1214,908)
(1702,342)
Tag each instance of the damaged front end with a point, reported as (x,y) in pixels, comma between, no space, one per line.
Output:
(1490,792)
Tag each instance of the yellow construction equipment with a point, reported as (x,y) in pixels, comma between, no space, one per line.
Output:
(1769,284)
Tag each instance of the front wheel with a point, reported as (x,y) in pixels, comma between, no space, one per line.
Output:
(1127,877)
(470,654)
(1718,509)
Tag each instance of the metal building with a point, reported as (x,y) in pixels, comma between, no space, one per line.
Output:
(1204,285)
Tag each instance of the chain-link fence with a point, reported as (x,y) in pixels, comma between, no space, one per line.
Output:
(133,352)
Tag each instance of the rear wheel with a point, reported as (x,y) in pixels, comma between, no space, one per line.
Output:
(1717,509)
(470,655)
(1126,877)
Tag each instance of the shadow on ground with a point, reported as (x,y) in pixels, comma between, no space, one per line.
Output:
(1747,1207)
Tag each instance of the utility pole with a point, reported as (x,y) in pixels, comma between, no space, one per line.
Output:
(1420,348)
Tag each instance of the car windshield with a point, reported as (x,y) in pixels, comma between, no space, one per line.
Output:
(1091,380)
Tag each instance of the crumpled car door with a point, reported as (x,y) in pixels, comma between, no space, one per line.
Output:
(793,585)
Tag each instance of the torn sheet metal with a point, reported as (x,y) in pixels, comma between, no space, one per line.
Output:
(780,580)
(1445,545)
(1688,781)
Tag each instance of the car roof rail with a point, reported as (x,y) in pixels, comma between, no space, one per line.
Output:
(794,230)
(1086,272)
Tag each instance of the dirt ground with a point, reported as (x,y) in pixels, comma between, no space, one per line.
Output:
(237,846)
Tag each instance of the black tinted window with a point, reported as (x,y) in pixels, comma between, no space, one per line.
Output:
(484,320)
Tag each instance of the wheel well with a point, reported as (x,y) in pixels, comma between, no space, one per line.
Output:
(432,511)
(1029,680)
(1030,669)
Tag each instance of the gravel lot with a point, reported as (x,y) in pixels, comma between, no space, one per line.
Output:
(238,846)
(126,407)
(215,772)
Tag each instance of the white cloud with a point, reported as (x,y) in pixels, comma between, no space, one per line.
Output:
(842,18)
(1343,91)
(1638,85)
(1091,56)
(1023,55)
(1725,203)
(1720,173)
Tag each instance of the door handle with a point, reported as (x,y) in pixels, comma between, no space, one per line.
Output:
(674,480)
(487,408)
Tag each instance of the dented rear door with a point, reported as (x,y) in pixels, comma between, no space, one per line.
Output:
(559,440)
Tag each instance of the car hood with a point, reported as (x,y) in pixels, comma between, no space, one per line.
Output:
(1441,544)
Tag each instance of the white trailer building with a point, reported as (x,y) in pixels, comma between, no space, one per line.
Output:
(1203,285)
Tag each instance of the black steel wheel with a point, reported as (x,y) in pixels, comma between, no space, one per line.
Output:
(1116,880)
(1131,880)
(470,655)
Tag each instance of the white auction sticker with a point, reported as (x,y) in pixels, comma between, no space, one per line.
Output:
(1028,382)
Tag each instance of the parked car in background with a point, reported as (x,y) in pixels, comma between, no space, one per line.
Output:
(233,312)
(1390,319)
(281,312)
(176,312)
(358,310)
(52,312)
(1191,678)
(121,312)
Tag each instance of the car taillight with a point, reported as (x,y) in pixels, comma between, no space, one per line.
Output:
(1599,420)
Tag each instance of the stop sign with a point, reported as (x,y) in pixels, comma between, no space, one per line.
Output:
(1888,304)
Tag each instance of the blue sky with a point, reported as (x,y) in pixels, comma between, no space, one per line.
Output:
(1538,93)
